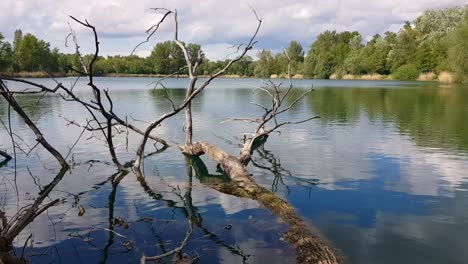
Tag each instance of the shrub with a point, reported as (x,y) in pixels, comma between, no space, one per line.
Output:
(446,77)
(406,72)
(427,76)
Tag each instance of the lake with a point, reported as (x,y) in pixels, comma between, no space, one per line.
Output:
(382,175)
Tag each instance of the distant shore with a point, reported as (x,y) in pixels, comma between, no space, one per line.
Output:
(443,77)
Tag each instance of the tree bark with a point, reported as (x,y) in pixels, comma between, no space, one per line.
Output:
(188,113)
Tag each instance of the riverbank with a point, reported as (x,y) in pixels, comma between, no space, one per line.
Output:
(37,74)
(58,75)
(443,77)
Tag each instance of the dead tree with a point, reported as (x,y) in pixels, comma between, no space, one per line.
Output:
(309,247)
(192,89)
(96,108)
(10,228)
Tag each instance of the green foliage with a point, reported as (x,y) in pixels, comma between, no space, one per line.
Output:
(422,114)
(328,53)
(166,58)
(420,46)
(435,25)
(266,64)
(295,52)
(404,49)
(406,72)
(6,54)
(458,50)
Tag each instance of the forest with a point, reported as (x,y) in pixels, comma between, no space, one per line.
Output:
(432,46)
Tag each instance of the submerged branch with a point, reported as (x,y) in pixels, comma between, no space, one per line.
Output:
(176,250)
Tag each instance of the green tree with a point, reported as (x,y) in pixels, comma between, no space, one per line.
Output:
(404,49)
(266,64)
(295,53)
(377,53)
(435,25)
(6,53)
(406,72)
(166,58)
(458,50)
(328,53)
(18,36)
(33,54)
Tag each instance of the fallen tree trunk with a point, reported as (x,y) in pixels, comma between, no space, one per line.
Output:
(309,247)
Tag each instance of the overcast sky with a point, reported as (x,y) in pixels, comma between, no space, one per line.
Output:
(215,24)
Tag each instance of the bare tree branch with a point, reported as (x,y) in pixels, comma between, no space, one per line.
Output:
(192,91)
(39,136)
(176,250)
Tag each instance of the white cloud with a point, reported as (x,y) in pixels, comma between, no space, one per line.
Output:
(123,22)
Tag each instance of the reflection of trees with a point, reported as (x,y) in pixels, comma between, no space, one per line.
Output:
(266,160)
(11,228)
(188,210)
(177,95)
(115,180)
(308,246)
(36,105)
(432,117)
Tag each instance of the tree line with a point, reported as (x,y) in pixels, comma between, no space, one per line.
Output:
(435,42)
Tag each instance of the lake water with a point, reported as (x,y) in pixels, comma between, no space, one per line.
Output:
(382,175)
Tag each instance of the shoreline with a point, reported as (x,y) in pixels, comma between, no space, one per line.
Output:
(448,77)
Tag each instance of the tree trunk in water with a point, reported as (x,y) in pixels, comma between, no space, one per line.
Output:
(308,246)
(188,112)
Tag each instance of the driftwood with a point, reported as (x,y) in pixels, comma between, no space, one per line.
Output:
(309,247)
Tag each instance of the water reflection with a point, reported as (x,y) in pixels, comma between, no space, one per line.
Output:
(433,117)
(382,175)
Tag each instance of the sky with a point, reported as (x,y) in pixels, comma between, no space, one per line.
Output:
(215,24)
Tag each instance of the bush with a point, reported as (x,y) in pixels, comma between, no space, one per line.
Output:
(406,72)
(458,51)
(446,77)
(427,76)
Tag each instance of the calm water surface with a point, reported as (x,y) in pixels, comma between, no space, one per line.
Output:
(383,175)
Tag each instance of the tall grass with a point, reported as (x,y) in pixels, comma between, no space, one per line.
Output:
(348,77)
(446,77)
(427,77)
(38,74)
